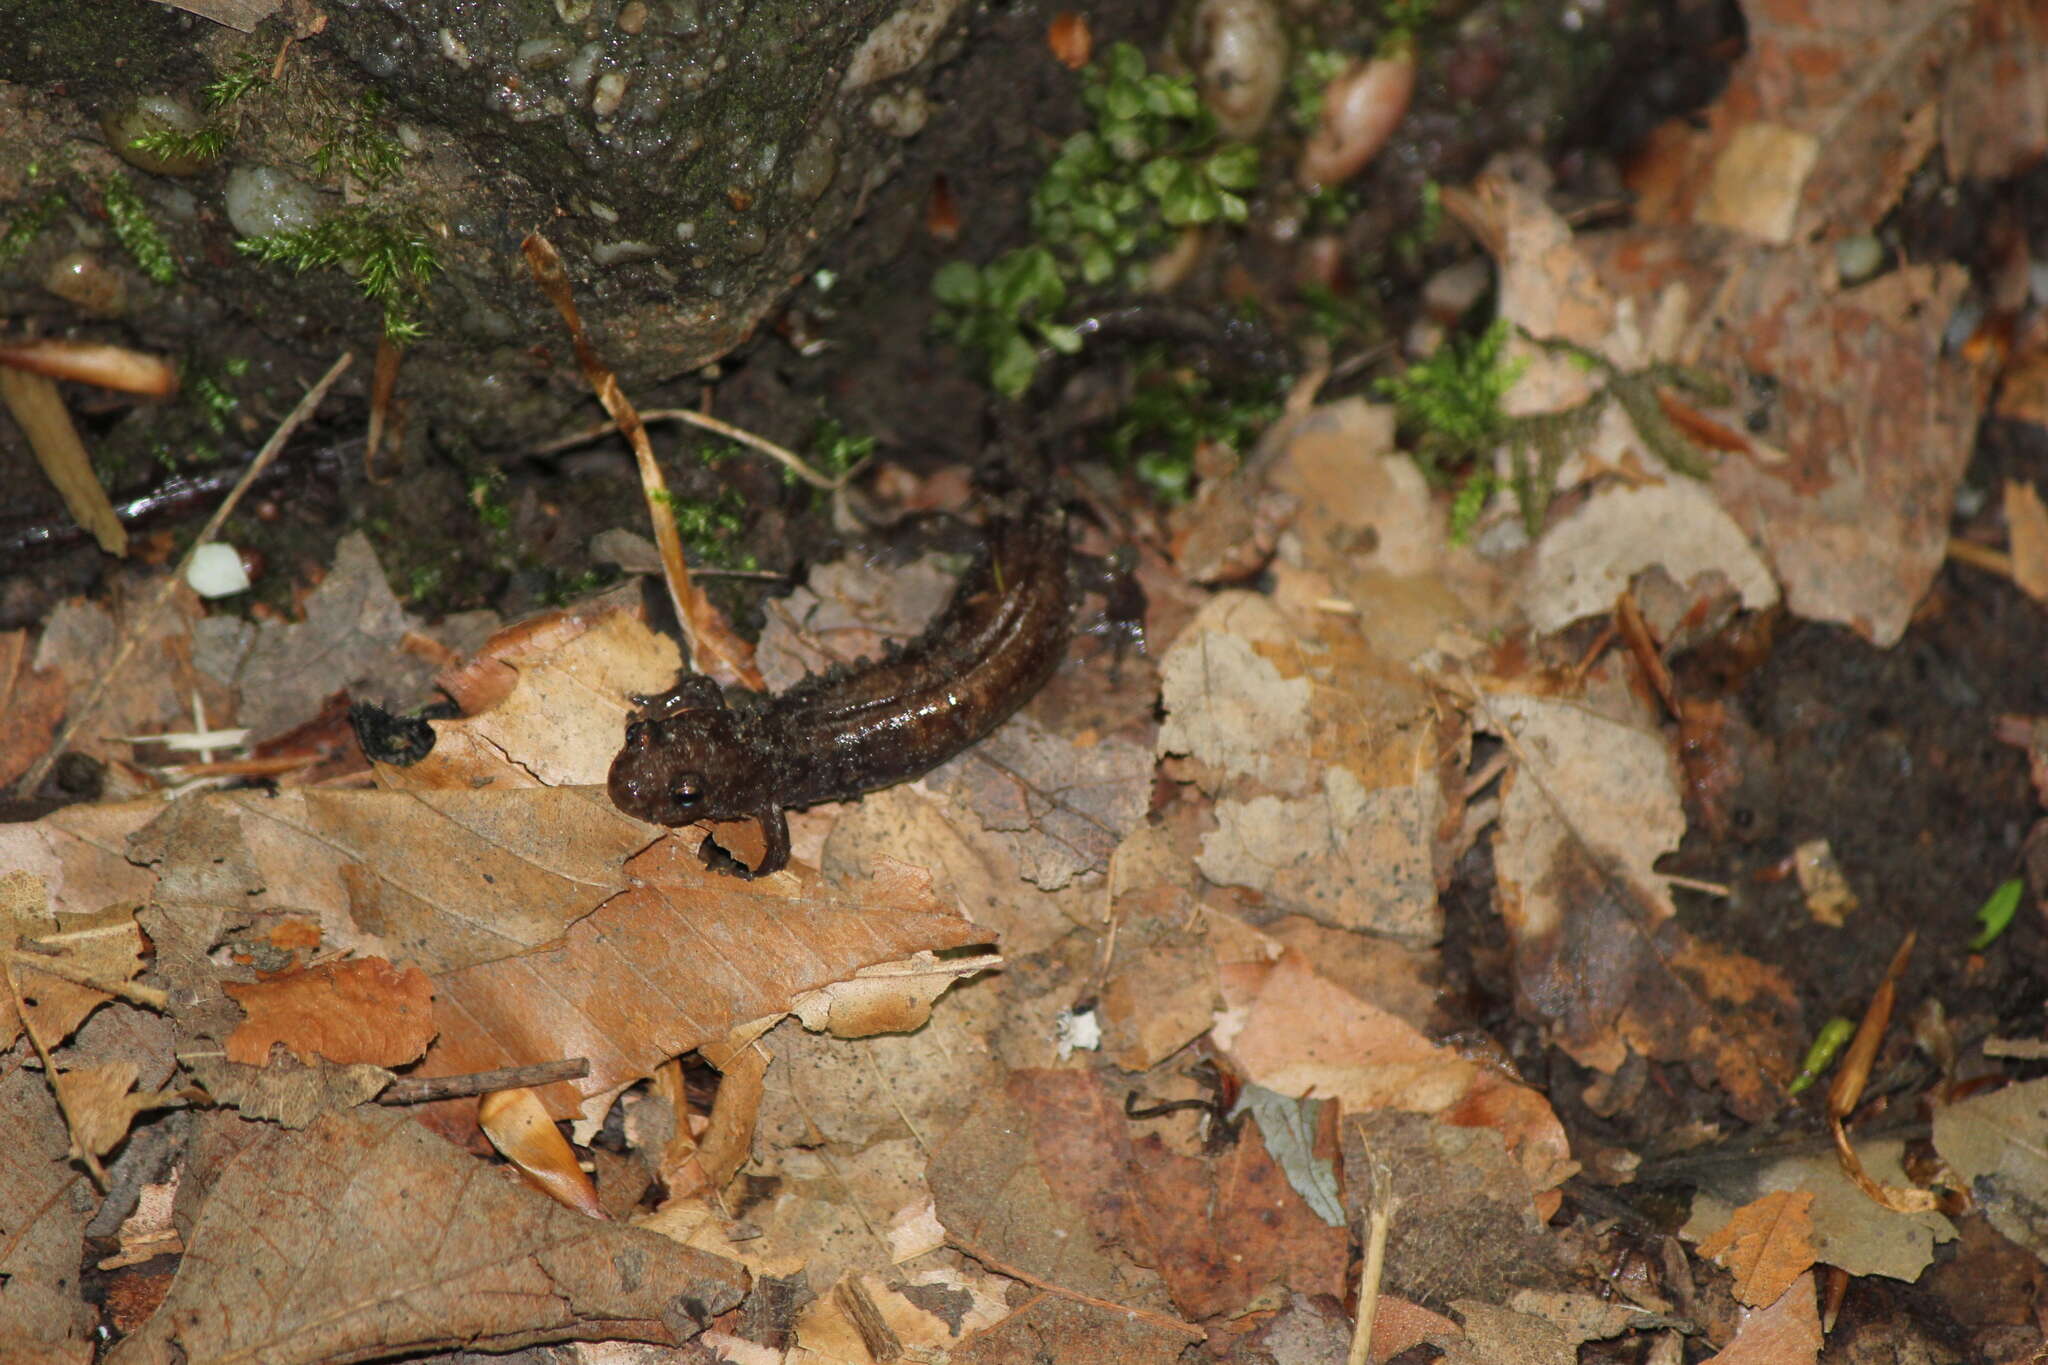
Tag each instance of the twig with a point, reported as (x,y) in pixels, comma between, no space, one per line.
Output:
(787,458)
(1980,556)
(1160,1320)
(1384,1206)
(425,1089)
(143,619)
(28,1026)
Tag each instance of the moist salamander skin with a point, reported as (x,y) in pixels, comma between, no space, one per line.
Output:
(838,734)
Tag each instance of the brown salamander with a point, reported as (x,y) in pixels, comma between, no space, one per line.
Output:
(838,734)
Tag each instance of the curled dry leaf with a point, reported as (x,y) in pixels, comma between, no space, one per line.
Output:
(524,1135)
(88,362)
(891,997)
(362,1010)
(1070,39)
(1362,105)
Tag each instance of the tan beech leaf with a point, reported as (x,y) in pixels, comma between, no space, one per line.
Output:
(675,963)
(57,959)
(284,1091)
(892,997)
(361,1010)
(1785,1332)
(100,1104)
(1994,1143)
(1766,1245)
(524,1135)
(446,879)
(364,1235)
(44,1205)
(1292,1030)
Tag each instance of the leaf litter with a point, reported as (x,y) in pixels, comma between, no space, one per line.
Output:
(880,1142)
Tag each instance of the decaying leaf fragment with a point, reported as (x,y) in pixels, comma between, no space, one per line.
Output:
(361,1010)
(364,1235)
(1766,1245)
(68,965)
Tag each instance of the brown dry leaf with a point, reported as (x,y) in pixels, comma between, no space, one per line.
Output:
(1034,1182)
(53,956)
(364,1235)
(1325,761)
(1051,1327)
(361,1010)
(32,704)
(929,1312)
(1765,1245)
(1994,1143)
(674,964)
(2026,523)
(1785,1333)
(1994,99)
(44,1205)
(520,1129)
(1848,1230)
(1293,1031)
(154,691)
(1228,1233)
(846,611)
(556,706)
(446,878)
(1160,992)
(891,997)
(99,1103)
(284,1091)
(1590,805)
(350,638)
(1586,560)
(1061,806)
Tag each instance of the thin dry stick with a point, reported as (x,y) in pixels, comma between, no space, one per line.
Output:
(142,621)
(28,1026)
(423,1089)
(1378,1221)
(782,455)
(1001,1267)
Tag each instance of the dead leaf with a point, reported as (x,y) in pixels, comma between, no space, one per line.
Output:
(1050,1327)
(1826,887)
(1063,807)
(1785,1333)
(44,1205)
(1994,98)
(674,964)
(284,1091)
(349,638)
(520,1129)
(890,997)
(1849,1231)
(1291,1030)
(1994,1142)
(1229,1234)
(364,1235)
(361,1010)
(1765,1245)
(2026,523)
(32,702)
(1589,807)
(99,1103)
(60,959)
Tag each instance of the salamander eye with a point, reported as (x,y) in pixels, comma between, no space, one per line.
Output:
(687,791)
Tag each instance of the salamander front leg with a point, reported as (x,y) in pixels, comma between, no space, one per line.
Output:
(774,833)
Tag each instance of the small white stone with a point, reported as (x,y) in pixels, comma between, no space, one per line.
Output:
(217,571)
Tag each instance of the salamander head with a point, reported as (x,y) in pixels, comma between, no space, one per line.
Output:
(691,766)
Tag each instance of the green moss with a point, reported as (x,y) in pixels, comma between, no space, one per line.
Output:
(361,149)
(1172,413)
(1449,404)
(172,144)
(137,232)
(389,256)
(27,224)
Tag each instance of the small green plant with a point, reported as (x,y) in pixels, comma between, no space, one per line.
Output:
(1308,76)
(213,403)
(136,231)
(1172,413)
(1834,1035)
(390,258)
(210,140)
(833,450)
(1450,403)
(1151,163)
(487,496)
(25,226)
(1996,914)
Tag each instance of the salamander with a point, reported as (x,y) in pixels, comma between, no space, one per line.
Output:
(852,730)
